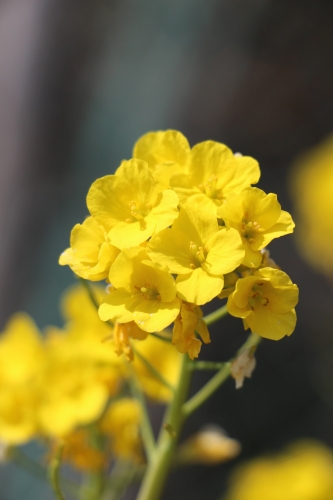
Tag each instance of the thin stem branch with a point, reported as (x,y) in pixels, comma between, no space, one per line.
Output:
(148,437)
(216,381)
(54,473)
(153,370)
(215,315)
(207,365)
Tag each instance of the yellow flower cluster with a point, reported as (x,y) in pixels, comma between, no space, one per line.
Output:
(169,229)
(53,386)
(304,471)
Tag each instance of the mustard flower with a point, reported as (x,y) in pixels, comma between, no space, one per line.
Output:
(198,251)
(130,204)
(91,253)
(188,322)
(265,301)
(258,218)
(21,360)
(214,172)
(143,291)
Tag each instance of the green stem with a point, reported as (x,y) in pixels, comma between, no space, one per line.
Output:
(146,429)
(152,370)
(158,469)
(54,473)
(216,315)
(92,297)
(215,382)
(207,365)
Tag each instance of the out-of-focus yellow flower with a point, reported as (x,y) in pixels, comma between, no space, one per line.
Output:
(258,218)
(79,450)
(22,357)
(90,254)
(303,472)
(209,446)
(165,359)
(311,190)
(265,301)
(186,325)
(214,172)
(130,205)
(198,251)
(145,292)
(21,350)
(71,391)
(121,423)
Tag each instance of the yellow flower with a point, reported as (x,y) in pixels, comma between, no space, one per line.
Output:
(90,254)
(121,423)
(198,251)
(130,205)
(144,292)
(21,360)
(163,146)
(165,359)
(71,394)
(258,218)
(166,153)
(187,323)
(214,172)
(304,471)
(265,301)
(21,350)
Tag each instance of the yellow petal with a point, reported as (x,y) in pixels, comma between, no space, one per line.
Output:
(162,146)
(198,287)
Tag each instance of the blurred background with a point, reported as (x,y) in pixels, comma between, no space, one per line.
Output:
(81,81)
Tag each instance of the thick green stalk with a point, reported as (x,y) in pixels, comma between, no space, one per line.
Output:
(158,469)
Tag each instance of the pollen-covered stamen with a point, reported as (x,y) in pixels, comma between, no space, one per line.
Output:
(149,292)
(135,212)
(210,188)
(256,297)
(249,229)
(198,252)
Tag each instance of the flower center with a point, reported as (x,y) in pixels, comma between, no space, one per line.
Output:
(256,297)
(148,292)
(249,229)
(199,253)
(136,213)
(210,188)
